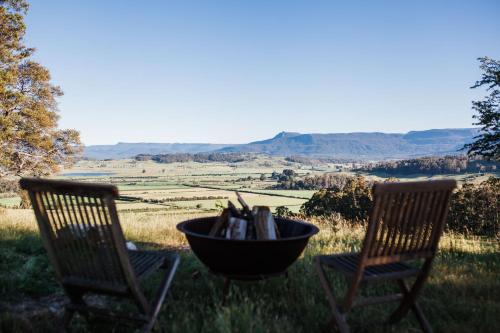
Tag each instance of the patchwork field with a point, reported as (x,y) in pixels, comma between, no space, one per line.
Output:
(188,187)
(205,187)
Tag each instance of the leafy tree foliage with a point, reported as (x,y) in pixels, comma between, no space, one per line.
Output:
(288,173)
(475,209)
(433,166)
(199,157)
(283,211)
(487,144)
(30,142)
(353,200)
(286,179)
(314,161)
(315,182)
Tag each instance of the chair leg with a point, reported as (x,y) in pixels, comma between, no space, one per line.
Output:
(417,310)
(66,320)
(160,296)
(76,298)
(225,290)
(411,295)
(338,318)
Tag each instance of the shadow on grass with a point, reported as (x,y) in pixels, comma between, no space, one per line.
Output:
(24,267)
(461,295)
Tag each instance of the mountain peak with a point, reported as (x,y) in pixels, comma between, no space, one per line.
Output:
(282,135)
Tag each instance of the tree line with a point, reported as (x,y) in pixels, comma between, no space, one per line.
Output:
(173,199)
(433,166)
(290,180)
(314,161)
(198,157)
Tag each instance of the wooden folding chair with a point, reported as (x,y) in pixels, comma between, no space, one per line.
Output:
(405,225)
(81,232)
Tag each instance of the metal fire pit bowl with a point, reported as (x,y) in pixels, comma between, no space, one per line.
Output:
(247,259)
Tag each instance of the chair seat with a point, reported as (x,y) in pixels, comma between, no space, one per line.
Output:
(145,263)
(347,263)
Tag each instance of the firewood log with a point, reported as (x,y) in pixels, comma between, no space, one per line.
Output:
(264,223)
(232,208)
(251,234)
(246,208)
(220,223)
(236,228)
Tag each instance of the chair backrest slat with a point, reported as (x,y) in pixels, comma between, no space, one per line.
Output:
(378,213)
(406,221)
(395,235)
(81,231)
(415,201)
(403,217)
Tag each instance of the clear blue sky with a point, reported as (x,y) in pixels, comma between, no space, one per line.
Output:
(235,71)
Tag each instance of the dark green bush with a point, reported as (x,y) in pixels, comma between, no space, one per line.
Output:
(283,211)
(352,201)
(475,209)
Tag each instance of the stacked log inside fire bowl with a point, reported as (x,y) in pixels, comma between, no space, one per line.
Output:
(245,223)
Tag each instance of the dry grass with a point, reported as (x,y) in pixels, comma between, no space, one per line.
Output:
(462,294)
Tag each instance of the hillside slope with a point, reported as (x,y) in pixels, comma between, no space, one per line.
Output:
(362,145)
(334,145)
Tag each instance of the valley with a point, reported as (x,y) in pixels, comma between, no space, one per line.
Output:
(204,188)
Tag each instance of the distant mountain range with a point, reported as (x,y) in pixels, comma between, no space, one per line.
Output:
(127,150)
(366,146)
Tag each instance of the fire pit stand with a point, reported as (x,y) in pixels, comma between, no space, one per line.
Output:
(246,278)
(247,260)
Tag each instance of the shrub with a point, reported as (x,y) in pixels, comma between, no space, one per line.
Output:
(475,209)
(283,211)
(352,201)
